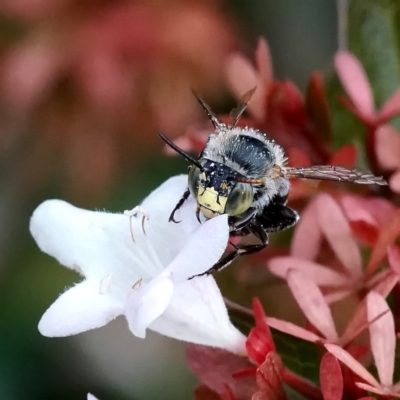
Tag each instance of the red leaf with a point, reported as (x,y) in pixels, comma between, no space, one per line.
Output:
(331,378)
(215,367)
(259,342)
(202,392)
(297,158)
(366,233)
(346,156)
(269,379)
(286,100)
(317,107)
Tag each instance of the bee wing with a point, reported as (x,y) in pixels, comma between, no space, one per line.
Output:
(333,173)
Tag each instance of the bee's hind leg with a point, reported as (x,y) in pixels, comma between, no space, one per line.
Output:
(178,206)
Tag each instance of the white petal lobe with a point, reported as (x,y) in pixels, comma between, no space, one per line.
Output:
(79,309)
(147,303)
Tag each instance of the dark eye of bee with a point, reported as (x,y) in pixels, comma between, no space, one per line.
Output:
(240,199)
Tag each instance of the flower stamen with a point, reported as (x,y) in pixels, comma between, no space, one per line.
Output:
(137,284)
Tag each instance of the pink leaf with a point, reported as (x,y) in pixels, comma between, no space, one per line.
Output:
(264,62)
(394,182)
(214,368)
(292,329)
(354,80)
(377,390)
(337,231)
(242,77)
(387,235)
(337,295)
(356,209)
(387,147)
(382,335)
(393,253)
(321,275)
(331,379)
(312,303)
(307,237)
(391,108)
(352,363)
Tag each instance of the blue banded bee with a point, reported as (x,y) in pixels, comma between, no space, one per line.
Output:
(243,173)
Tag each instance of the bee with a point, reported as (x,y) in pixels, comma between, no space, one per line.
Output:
(242,172)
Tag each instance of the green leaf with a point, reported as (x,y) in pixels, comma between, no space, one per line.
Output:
(374,37)
(301,357)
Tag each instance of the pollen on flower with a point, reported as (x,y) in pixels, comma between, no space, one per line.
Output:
(105,284)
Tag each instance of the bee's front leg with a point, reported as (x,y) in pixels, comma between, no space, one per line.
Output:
(178,206)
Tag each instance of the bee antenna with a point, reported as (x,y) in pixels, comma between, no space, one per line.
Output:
(211,116)
(237,112)
(185,155)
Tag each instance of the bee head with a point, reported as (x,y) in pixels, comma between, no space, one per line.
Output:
(218,189)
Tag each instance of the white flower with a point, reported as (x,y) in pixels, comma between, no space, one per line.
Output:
(139,268)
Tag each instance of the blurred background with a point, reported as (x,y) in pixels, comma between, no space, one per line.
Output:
(84,88)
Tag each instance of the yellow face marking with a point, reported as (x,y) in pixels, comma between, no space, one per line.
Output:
(207,200)
(224,186)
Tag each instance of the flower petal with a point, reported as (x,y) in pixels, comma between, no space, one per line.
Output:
(147,303)
(337,231)
(382,335)
(168,237)
(91,397)
(312,303)
(204,247)
(197,314)
(79,309)
(348,360)
(354,80)
(77,238)
(321,275)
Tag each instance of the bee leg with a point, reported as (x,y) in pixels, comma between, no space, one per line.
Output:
(256,230)
(238,223)
(178,206)
(277,217)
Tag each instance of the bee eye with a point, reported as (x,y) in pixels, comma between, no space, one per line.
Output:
(193,180)
(240,199)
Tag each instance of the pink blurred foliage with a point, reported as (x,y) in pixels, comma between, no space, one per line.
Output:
(105,75)
(343,274)
(276,107)
(382,141)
